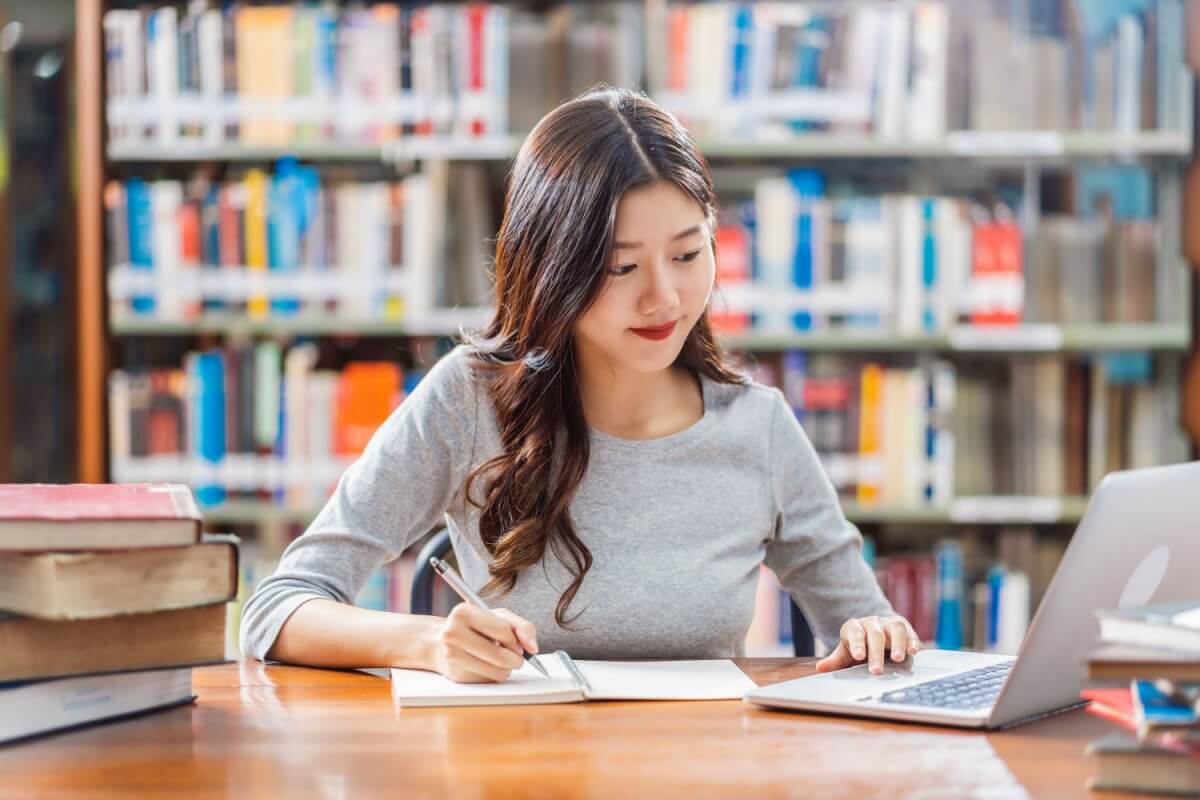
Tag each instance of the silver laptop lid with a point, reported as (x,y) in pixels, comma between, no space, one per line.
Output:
(1138,542)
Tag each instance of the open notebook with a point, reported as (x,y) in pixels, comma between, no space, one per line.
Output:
(574,681)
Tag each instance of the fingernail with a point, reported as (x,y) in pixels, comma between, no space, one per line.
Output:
(897,654)
(858,653)
(535,645)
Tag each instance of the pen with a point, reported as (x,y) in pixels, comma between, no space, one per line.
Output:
(451,577)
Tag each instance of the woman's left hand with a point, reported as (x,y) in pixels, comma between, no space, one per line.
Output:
(872,639)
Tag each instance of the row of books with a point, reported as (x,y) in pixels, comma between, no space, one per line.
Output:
(270,245)
(930,590)
(1145,680)
(261,420)
(965,595)
(918,70)
(902,435)
(109,598)
(299,241)
(250,420)
(286,74)
(797,257)
(765,70)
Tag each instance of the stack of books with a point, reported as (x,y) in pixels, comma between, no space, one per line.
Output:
(108,597)
(1153,652)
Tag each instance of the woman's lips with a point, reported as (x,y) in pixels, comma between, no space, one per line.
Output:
(660,332)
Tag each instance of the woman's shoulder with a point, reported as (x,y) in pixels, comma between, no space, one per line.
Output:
(456,372)
(749,400)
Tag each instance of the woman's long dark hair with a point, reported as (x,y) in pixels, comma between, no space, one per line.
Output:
(552,257)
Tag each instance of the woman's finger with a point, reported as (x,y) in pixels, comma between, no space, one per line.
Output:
(491,625)
(897,631)
(470,669)
(876,645)
(914,641)
(840,657)
(855,637)
(524,629)
(485,649)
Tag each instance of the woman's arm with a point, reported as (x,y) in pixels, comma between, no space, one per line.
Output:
(815,551)
(323,633)
(410,473)
(470,645)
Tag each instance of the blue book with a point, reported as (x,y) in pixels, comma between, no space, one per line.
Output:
(929,266)
(810,187)
(794,369)
(210,249)
(868,551)
(1153,708)
(374,594)
(743,34)
(785,617)
(209,380)
(810,47)
(285,212)
(744,215)
(948,558)
(1128,188)
(995,582)
(140,217)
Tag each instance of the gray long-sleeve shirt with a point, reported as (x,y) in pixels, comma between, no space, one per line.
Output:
(677,526)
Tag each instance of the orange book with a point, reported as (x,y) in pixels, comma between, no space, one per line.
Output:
(366,394)
(189,247)
(870,433)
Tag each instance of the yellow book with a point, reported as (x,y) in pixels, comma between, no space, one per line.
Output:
(256,238)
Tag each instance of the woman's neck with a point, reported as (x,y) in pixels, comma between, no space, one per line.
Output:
(638,405)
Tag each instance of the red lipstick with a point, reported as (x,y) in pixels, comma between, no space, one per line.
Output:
(656,333)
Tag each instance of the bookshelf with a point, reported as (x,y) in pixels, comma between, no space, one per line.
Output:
(5,321)
(1018,147)
(886,162)
(964,510)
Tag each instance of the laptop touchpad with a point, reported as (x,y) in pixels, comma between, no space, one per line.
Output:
(892,672)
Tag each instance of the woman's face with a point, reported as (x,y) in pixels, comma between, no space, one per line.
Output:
(659,280)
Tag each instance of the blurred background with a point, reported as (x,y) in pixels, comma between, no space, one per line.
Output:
(234,236)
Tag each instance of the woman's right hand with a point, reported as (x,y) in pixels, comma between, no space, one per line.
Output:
(477,646)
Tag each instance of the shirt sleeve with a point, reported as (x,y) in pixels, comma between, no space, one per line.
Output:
(815,551)
(407,477)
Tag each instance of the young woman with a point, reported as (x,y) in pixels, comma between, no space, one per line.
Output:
(612,482)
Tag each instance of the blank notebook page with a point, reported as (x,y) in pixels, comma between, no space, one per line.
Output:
(524,685)
(717,679)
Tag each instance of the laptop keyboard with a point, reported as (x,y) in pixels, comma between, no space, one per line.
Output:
(966,691)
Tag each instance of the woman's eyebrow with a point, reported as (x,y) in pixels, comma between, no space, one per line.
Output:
(681,235)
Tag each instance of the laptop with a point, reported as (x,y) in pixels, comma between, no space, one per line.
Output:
(1138,542)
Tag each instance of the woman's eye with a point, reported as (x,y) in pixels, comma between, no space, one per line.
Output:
(689,256)
(624,269)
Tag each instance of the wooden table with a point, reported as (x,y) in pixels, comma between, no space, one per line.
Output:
(274,731)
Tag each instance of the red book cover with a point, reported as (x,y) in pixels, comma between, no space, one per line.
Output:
(420,27)
(91,501)
(475,15)
(997,273)
(48,517)
(733,267)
